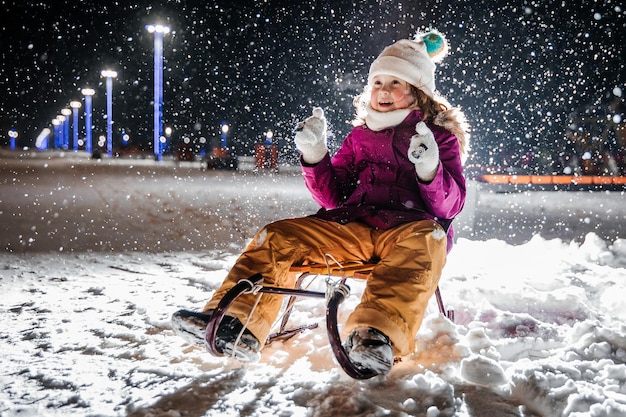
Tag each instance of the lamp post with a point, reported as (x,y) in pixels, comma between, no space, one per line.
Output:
(56,124)
(224,135)
(109,76)
(75,105)
(125,139)
(66,127)
(63,131)
(41,142)
(158,31)
(88,92)
(167,137)
(12,138)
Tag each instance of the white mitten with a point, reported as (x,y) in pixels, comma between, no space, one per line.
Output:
(424,152)
(311,137)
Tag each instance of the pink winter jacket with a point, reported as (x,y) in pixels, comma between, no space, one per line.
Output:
(371,179)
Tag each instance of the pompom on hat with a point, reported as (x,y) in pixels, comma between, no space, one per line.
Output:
(412,60)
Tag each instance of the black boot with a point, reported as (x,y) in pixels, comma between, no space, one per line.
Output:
(369,349)
(191,326)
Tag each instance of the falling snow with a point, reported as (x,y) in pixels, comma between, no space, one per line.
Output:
(521,71)
(99,253)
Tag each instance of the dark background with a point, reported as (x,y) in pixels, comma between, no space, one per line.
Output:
(523,72)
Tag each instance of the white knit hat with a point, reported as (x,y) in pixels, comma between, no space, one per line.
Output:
(412,60)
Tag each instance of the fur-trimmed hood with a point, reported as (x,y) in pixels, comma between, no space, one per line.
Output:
(454,121)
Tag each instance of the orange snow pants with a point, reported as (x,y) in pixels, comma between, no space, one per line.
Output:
(396,293)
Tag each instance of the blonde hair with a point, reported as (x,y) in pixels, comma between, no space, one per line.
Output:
(430,106)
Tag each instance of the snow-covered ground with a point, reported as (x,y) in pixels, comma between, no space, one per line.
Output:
(97,255)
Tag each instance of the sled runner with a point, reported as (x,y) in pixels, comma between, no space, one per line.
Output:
(336,292)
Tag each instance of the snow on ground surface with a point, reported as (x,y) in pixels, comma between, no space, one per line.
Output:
(97,255)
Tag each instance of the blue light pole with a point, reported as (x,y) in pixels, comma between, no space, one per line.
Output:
(57,135)
(61,118)
(42,139)
(13,137)
(75,105)
(158,31)
(88,92)
(109,76)
(224,135)
(66,127)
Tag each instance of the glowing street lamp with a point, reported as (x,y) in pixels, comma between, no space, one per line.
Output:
(88,92)
(13,137)
(66,127)
(268,137)
(57,134)
(224,134)
(109,76)
(62,131)
(75,105)
(125,138)
(158,31)
(41,142)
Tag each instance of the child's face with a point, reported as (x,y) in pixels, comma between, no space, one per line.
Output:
(390,93)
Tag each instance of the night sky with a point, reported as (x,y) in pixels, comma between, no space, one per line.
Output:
(519,70)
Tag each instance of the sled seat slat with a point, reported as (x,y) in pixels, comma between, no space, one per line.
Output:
(358,270)
(351,270)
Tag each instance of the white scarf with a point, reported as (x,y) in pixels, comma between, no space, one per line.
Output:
(377,120)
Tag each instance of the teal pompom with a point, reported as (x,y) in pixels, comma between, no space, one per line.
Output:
(436,44)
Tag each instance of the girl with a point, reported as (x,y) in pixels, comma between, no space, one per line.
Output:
(387,195)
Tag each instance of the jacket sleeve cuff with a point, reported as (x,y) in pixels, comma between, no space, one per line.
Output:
(318,165)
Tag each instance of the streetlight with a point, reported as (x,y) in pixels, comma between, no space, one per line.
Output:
(88,92)
(109,76)
(75,105)
(125,139)
(41,142)
(66,127)
(13,137)
(268,137)
(158,31)
(224,134)
(56,124)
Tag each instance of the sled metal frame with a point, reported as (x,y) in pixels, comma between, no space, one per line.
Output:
(335,295)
